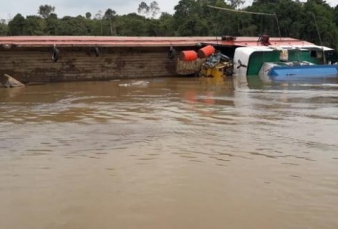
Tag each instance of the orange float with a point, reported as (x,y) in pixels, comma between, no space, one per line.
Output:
(189,55)
(206,51)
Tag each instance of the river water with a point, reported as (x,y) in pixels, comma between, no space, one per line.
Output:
(169,153)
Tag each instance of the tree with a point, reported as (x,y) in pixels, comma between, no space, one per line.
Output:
(165,25)
(73,26)
(152,10)
(46,10)
(99,17)
(192,18)
(34,25)
(133,25)
(52,26)
(3,28)
(52,16)
(88,15)
(267,24)
(110,14)
(236,3)
(16,25)
(189,19)
(320,13)
(143,8)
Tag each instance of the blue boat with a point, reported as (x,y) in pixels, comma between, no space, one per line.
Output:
(286,72)
(286,64)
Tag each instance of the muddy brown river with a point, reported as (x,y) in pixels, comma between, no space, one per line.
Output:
(171,153)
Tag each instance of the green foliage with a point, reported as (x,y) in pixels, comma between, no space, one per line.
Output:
(52,26)
(3,28)
(143,8)
(164,25)
(314,21)
(132,25)
(34,25)
(73,26)
(148,11)
(16,25)
(110,16)
(236,3)
(45,10)
(319,23)
(88,15)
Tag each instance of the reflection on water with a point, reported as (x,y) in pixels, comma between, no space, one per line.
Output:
(169,153)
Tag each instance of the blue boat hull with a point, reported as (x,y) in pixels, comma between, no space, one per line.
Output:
(303,73)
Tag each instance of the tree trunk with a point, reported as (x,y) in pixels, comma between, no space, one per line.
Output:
(111,28)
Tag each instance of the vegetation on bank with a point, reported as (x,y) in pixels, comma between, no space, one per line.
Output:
(191,18)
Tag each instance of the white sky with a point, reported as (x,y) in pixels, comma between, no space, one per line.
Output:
(9,8)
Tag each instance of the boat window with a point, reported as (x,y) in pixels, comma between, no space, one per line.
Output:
(319,54)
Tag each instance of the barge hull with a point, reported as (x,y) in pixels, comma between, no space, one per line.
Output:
(82,63)
(29,58)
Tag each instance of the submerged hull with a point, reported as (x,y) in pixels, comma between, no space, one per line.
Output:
(303,73)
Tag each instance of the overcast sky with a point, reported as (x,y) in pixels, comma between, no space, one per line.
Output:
(9,8)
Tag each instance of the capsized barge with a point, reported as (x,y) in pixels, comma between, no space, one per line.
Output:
(308,63)
(78,58)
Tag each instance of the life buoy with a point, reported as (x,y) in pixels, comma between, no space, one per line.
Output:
(55,55)
(171,53)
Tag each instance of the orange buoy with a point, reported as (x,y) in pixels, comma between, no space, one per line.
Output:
(206,51)
(189,55)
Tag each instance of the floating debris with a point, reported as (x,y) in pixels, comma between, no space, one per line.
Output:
(9,81)
(136,84)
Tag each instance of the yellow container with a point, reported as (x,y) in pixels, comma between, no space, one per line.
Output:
(216,71)
(219,70)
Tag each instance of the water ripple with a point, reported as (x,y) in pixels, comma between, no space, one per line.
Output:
(165,145)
